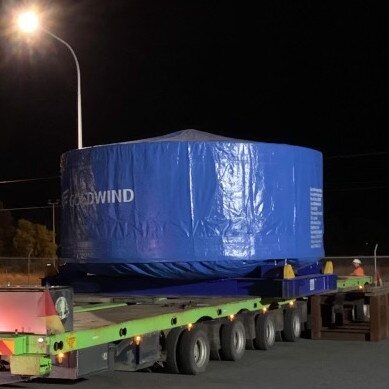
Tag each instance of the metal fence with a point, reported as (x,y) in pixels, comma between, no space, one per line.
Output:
(30,271)
(25,271)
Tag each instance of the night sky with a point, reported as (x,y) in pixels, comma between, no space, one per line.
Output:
(304,73)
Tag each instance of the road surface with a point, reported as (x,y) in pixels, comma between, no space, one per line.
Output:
(306,364)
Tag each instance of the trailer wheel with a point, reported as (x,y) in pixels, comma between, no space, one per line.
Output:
(233,341)
(193,351)
(292,326)
(265,332)
(171,350)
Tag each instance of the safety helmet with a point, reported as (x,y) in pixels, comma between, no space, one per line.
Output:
(358,261)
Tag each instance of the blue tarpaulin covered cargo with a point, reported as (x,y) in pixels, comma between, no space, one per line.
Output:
(190,205)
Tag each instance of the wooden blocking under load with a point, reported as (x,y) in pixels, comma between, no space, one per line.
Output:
(337,316)
(315,314)
(379,317)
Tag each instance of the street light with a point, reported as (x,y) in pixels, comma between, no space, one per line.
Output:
(28,22)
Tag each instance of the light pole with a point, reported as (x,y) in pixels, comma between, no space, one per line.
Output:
(53,205)
(28,22)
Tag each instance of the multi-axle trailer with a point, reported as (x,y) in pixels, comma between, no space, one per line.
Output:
(52,332)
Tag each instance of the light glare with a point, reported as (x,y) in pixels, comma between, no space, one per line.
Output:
(60,357)
(28,22)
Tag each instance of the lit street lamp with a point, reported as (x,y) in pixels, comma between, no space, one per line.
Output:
(28,22)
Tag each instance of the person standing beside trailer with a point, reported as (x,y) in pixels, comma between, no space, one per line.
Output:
(358,268)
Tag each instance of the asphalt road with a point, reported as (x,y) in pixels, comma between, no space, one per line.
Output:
(306,364)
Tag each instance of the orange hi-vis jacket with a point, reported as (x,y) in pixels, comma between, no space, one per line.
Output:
(358,271)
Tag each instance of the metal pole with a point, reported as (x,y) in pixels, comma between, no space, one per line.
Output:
(28,266)
(53,204)
(375,265)
(53,221)
(79,119)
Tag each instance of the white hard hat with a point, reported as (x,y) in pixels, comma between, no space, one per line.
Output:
(356,260)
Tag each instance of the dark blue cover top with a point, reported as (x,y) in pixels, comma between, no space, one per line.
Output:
(190,205)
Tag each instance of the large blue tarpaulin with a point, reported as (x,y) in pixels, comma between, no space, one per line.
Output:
(190,205)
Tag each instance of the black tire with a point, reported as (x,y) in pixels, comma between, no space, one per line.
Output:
(292,326)
(361,312)
(193,351)
(232,340)
(171,350)
(265,332)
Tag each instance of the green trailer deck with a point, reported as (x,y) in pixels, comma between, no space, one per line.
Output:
(131,333)
(50,332)
(94,325)
(353,282)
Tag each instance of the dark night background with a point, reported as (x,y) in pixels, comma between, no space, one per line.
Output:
(306,73)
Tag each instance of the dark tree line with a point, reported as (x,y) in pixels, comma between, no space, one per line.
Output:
(24,238)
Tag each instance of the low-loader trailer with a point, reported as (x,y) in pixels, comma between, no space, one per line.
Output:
(52,332)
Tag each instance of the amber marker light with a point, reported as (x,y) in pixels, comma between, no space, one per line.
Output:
(137,340)
(60,357)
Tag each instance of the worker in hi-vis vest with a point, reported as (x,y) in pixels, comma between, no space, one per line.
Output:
(358,269)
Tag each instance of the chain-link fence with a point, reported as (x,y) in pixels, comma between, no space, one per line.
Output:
(25,271)
(29,271)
